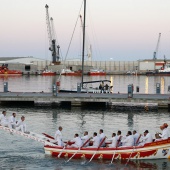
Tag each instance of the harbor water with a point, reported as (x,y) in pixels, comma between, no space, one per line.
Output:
(18,153)
(146,84)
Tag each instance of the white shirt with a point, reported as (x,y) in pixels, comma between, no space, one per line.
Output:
(84,139)
(102,136)
(77,141)
(165,134)
(114,142)
(19,123)
(12,120)
(128,141)
(135,136)
(58,137)
(147,138)
(96,141)
(3,119)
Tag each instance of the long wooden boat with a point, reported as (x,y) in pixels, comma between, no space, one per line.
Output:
(154,150)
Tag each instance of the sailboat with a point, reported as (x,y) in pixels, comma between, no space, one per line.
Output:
(82,87)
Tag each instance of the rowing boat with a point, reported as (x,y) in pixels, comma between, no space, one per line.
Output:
(154,150)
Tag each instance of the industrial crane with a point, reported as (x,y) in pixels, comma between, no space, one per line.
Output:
(51,35)
(157,46)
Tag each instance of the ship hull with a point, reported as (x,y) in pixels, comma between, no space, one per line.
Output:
(154,150)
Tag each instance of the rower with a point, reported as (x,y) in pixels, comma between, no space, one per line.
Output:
(12,120)
(165,133)
(136,137)
(3,120)
(119,137)
(58,136)
(95,140)
(77,143)
(85,138)
(101,136)
(113,141)
(146,138)
(21,125)
(129,140)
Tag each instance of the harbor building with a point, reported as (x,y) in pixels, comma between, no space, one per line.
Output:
(31,65)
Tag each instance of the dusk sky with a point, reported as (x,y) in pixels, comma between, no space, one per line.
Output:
(117,29)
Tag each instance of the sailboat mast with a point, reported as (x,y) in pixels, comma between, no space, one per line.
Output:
(84,23)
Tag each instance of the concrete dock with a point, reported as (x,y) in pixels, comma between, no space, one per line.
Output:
(78,99)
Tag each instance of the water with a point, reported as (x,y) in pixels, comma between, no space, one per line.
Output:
(18,153)
(120,83)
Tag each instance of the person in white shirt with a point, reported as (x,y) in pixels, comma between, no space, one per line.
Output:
(21,125)
(113,141)
(119,138)
(3,120)
(12,120)
(77,142)
(165,133)
(101,136)
(136,137)
(146,138)
(58,136)
(95,140)
(85,138)
(129,140)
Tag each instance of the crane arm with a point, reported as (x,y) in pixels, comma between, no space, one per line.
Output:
(157,47)
(48,26)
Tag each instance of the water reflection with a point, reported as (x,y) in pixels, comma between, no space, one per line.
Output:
(146,85)
(162,85)
(130,120)
(29,83)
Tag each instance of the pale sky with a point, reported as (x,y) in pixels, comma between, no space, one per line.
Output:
(117,29)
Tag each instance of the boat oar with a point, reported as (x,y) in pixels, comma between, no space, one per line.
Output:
(130,155)
(62,150)
(113,157)
(116,147)
(78,150)
(97,149)
(48,136)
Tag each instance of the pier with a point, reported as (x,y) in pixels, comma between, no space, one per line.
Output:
(79,99)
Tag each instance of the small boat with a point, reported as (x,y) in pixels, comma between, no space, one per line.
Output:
(96,72)
(48,73)
(5,71)
(154,150)
(163,71)
(68,72)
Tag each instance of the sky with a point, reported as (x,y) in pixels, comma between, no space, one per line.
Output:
(118,30)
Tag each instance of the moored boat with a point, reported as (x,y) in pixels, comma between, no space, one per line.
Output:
(154,150)
(68,72)
(5,71)
(96,72)
(163,71)
(48,73)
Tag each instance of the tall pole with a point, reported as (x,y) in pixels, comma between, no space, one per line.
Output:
(84,23)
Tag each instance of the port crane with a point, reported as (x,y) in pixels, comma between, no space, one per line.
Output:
(51,36)
(157,46)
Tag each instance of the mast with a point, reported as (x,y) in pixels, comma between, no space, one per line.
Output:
(84,23)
